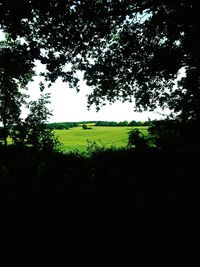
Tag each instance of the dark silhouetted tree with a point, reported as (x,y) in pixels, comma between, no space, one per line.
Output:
(33,131)
(137,140)
(86,127)
(12,79)
(10,102)
(39,135)
(125,48)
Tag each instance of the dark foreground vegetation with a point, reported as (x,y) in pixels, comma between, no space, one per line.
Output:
(163,176)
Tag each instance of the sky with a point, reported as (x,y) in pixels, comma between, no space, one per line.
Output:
(68,105)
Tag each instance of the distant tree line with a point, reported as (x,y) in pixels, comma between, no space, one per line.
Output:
(122,123)
(62,125)
(67,125)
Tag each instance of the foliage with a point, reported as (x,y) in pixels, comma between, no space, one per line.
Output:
(95,147)
(122,123)
(16,62)
(125,48)
(137,140)
(62,125)
(67,125)
(86,127)
(10,102)
(106,123)
(14,75)
(119,175)
(174,135)
(33,130)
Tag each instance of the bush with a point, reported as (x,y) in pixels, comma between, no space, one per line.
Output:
(86,127)
(34,132)
(172,134)
(95,147)
(137,140)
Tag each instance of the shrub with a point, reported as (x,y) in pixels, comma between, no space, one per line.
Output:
(172,134)
(137,140)
(94,147)
(86,127)
(34,131)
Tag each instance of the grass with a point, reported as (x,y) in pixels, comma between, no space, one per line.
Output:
(76,138)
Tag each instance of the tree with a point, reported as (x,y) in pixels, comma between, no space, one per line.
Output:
(175,136)
(86,127)
(39,136)
(134,123)
(10,100)
(14,75)
(34,131)
(123,123)
(137,140)
(125,48)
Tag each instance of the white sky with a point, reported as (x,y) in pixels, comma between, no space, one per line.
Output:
(68,105)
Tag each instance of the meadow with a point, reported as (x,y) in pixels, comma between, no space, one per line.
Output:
(77,138)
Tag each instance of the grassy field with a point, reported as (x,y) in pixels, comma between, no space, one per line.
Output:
(76,138)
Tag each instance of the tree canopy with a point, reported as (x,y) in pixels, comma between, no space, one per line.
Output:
(15,73)
(125,48)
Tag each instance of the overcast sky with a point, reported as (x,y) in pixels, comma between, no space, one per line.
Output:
(68,105)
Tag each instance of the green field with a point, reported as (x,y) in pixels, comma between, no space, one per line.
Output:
(76,138)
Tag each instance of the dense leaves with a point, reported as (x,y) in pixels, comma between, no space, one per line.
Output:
(33,131)
(125,48)
(137,140)
(10,102)
(16,70)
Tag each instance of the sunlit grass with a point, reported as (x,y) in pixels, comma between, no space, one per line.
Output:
(76,138)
